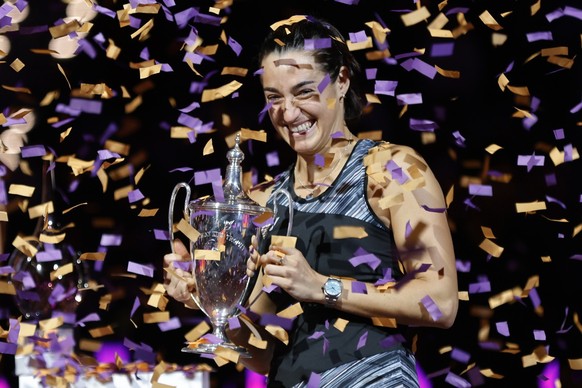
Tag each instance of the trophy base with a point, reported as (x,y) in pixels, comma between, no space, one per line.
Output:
(211,349)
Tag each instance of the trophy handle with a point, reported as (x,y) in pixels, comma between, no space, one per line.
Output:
(171,210)
(275,194)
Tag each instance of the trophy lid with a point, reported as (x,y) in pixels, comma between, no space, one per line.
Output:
(235,199)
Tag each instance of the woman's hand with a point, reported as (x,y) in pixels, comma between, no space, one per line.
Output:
(252,262)
(288,269)
(179,284)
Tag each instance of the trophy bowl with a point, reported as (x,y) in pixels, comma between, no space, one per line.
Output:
(220,250)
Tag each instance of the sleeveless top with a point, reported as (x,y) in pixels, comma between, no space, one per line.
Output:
(315,344)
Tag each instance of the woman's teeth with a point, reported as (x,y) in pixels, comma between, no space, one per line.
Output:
(301,128)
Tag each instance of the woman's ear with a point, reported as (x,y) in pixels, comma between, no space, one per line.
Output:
(343,80)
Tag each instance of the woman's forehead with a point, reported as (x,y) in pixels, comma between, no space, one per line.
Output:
(299,59)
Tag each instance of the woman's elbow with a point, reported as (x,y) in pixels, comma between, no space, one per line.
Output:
(448,313)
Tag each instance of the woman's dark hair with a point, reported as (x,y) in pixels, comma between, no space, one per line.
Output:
(331,58)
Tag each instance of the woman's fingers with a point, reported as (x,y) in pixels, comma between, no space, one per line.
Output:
(181,249)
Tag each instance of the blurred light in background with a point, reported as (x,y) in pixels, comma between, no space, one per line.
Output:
(550,375)
(106,354)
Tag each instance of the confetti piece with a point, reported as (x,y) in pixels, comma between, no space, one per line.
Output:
(247,134)
(221,92)
(22,190)
(205,254)
(491,248)
(284,241)
(188,230)
(342,232)
(197,332)
(528,207)
(140,269)
(431,307)
(415,17)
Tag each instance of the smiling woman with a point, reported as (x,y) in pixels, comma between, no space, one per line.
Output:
(369,258)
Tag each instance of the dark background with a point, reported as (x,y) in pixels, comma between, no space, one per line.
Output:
(472,105)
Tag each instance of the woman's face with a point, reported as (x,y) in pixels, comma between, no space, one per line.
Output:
(305,117)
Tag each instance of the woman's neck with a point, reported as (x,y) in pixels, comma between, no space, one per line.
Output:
(313,173)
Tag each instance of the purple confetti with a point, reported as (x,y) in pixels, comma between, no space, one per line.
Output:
(422,125)
(362,341)
(481,190)
(135,196)
(409,99)
(385,87)
(110,240)
(369,258)
(272,319)
(432,308)
(273,159)
(33,151)
(541,35)
(502,328)
(539,335)
(171,324)
(316,44)
(359,287)
(8,348)
(208,176)
(163,235)
(460,356)
(357,37)
(235,46)
(457,381)
(140,269)
(314,378)
(480,287)
(323,84)
(371,73)
(530,161)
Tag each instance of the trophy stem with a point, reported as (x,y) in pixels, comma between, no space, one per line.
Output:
(222,341)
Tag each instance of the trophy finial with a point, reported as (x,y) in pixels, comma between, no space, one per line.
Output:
(233,182)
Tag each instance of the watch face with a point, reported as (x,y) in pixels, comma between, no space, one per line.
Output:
(333,287)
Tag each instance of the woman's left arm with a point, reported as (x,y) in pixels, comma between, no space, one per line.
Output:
(414,209)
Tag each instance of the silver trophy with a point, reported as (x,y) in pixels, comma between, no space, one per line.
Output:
(220,253)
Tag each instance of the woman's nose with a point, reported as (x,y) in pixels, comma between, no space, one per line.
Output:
(290,110)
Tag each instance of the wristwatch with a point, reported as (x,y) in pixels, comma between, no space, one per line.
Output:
(332,290)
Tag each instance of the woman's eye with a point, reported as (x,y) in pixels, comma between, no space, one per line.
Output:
(273,99)
(305,93)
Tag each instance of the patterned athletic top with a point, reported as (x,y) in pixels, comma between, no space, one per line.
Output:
(315,344)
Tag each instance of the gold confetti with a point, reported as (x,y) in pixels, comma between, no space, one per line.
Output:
(284,241)
(61,271)
(415,17)
(188,230)
(221,92)
(197,332)
(527,207)
(384,322)
(101,331)
(248,134)
(17,65)
(206,254)
(493,148)
(95,256)
(291,312)
(491,248)
(7,288)
(22,190)
(490,21)
(208,148)
(341,232)
(156,317)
